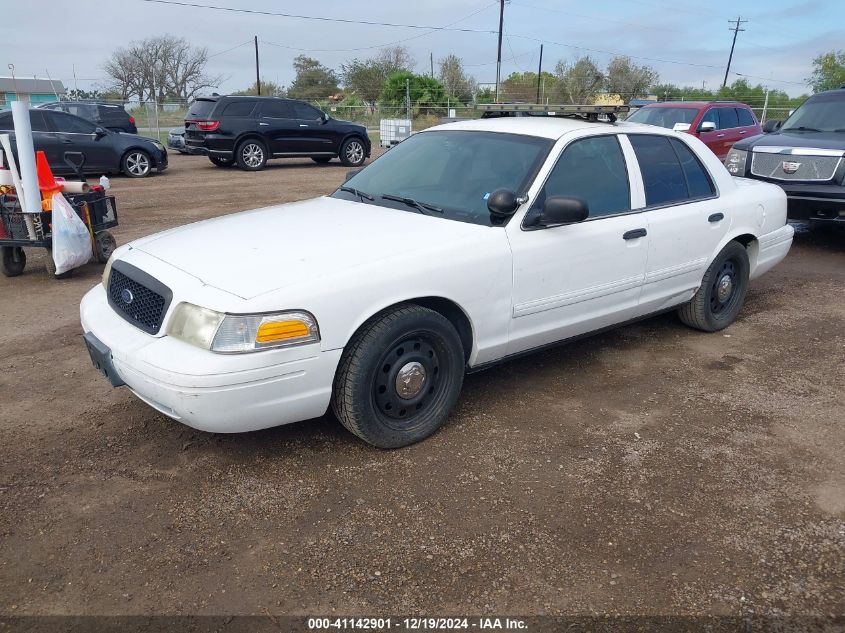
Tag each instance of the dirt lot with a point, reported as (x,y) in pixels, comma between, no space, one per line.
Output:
(652,469)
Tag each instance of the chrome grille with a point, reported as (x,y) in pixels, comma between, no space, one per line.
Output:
(768,165)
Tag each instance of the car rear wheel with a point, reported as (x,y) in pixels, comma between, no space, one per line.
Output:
(137,164)
(321,159)
(13,261)
(719,299)
(352,153)
(251,155)
(222,162)
(399,377)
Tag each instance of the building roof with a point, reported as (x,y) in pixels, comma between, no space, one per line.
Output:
(32,85)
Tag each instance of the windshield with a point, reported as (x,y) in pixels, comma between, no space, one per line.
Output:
(664,117)
(822,113)
(450,172)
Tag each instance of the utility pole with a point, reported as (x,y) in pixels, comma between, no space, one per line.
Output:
(738,23)
(765,107)
(539,73)
(257,75)
(432,65)
(499,56)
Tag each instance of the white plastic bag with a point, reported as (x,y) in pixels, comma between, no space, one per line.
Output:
(71,240)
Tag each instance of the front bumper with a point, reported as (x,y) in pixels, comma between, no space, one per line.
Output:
(812,202)
(213,392)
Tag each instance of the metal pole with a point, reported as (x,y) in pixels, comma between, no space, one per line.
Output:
(736,30)
(408,98)
(432,65)
(765,107)
(499,55)
(539,73)
(257,75)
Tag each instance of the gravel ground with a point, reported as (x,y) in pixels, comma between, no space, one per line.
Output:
(648,470)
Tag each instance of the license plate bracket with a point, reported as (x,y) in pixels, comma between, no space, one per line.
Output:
(101,358)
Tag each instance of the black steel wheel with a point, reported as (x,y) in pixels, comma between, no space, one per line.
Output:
(352,152)
(399,377)
(104,245)
(251,155)
(13,261)
(719,299)
(222,162)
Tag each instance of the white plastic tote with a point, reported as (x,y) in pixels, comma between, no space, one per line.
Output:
(71,240)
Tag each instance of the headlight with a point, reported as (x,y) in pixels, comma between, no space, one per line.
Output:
(735,162)
(107,272)
(238,333)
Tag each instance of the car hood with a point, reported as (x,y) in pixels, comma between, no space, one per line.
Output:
(823,140)
(254,252)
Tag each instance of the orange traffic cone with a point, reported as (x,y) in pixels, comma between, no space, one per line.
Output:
(46,182)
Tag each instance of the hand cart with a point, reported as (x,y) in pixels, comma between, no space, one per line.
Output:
(95,208)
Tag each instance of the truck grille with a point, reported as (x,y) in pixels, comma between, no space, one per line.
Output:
(139,304)
(793,166)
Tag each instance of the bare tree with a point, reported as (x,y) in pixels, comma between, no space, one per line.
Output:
(159,67)
(367,77)
(395,58)
(579,81)
(458,84)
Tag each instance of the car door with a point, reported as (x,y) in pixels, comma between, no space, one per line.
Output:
(685,216)
(748,125)
(75,134)
(276,125)
(315,136)
(576,278)
(729,131)
(714,138)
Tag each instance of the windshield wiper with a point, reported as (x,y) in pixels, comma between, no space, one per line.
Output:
(357,192)
(422,207)
(802,128)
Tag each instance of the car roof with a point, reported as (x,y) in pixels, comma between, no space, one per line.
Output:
(551,127)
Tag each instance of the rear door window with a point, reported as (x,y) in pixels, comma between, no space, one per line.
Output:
(276,109)
(699,184)
(305,111)
(746,119)
(239,108)
(728,118)
(663,176)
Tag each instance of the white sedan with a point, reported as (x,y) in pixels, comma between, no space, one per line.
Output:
(463,246)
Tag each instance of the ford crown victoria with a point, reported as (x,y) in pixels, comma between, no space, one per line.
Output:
(463,246)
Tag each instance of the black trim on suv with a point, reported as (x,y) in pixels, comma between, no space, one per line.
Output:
(248,131)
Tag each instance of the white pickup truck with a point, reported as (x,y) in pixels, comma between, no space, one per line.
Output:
(464,245)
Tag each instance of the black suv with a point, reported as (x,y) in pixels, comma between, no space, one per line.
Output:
(108,115)
(250,130)
(805,155)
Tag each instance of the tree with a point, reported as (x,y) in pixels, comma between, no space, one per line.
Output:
(159,67)
(268,89)
(425,91)
(579,81)
(828,71)
(627,79)
(522,87)
(367,78)
(459,86)
(83,95)
(313,80)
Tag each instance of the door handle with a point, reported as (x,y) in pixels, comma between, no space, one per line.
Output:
(262,123)
(743,131)
(303,125)
(716,217)
(720,135)
(634,234)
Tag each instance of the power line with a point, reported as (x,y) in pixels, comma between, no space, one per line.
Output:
(230,49)
(196,5)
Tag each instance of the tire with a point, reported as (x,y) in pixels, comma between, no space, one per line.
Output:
(366,395)
(13,261)
(321,159)
(136,164)
(719,299)
(50,265)
(352,153)
(222,162)
(251,155)
(104,245)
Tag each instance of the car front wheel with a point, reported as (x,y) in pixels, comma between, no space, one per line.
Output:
(137,164)
(399,377)
(719,299)
(352,153)
(251,155)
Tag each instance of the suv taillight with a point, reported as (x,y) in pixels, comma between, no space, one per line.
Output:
(207,126)
(132,120)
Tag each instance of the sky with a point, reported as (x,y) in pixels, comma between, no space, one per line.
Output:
(686,41)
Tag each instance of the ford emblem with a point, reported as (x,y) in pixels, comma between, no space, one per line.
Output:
(126,296)
(790,167)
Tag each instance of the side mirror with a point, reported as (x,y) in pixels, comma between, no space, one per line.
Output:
(99,132)
(563,210)
(681,127)
(324,117)
(351,173)
(502,202)
(707,126)
(772,125)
